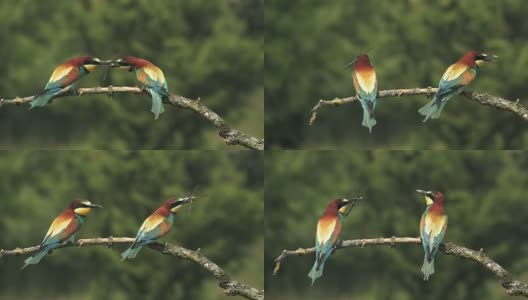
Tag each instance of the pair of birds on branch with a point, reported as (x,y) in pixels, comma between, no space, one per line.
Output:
(68,73)
(453,82)
(433,226)
(68,223)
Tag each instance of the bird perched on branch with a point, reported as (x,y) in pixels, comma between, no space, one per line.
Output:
(327,236)
(453,82)
(366,85)
(66,75)
(63,228)
(149,75)
(156,225)
(433,226)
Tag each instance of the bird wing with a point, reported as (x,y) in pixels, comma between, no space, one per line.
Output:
(454,71)
(152,228)
(433,228)
(152,77)
(60,230)
(59,73)
(365,82)
(328,230)
(155,73)
(62,77)
(455,77)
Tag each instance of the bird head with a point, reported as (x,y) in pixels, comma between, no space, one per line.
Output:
(343,204)
(174,204)
(83,207)
(431,196)
(129,63)
(88,62)
(479,58)
(362,59)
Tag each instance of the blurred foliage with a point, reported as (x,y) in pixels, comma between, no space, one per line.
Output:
(485,201)
(225,222)
(211,50)
(411,43)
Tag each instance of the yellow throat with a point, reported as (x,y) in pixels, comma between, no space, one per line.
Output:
(83,211)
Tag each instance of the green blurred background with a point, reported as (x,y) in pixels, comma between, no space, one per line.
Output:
(226,222)
(411,43)
(207,49)
(485,201)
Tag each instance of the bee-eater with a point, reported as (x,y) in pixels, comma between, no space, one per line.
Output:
(156,225)
(366,85)
(66,75)
(149,75)
(63,228)
(453,82)
(433,226)
(327,236)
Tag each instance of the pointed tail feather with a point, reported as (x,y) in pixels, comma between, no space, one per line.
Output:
(433,109)
(130,253)
(427,268)
(41,100)
(35,258)
(369,120)
(317,271)
(157,104)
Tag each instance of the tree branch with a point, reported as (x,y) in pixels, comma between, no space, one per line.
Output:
(230,136)
(484,99)
(231,287)
(513,287)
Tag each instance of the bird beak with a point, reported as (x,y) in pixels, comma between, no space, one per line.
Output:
(422,191)
(118,63)
(95,206)
(186,200)
(491,58)
(105,62)
(351,63)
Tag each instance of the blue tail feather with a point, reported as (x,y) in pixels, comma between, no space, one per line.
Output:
(43,99)
(369,120)
(130,252)
(316,272)
(433,109)
(321,257)
(157,103)
(427,268)
(35,259)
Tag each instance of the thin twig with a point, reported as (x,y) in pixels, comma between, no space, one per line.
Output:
(513,287)
(484,99)
(230,136)
(231,287)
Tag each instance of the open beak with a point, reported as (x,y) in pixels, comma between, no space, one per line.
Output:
(491,58)
(117,63)
(95,206)
(186,200)
(105,62)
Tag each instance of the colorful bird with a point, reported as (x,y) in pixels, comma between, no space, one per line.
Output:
(327,236)
(66,75)
(156,225)
(151,76)
(433,226)
(366,85)
(63,228)
(453,82)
